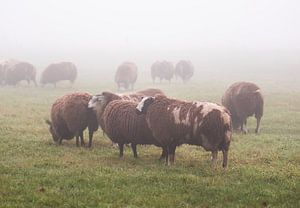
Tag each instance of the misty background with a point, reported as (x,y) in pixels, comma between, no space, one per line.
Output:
(241,39)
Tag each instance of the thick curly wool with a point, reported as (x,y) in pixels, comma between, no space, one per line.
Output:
(109,96)
(162,70)
(20,71)
(126,75)
(117,118)
(184,70)
(244,99)
(58,72)
(174,122)
(123,125)
(70,116)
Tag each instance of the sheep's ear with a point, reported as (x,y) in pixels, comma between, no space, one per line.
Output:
(48,122)
(256,91)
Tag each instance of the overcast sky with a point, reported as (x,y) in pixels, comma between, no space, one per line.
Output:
(49,25)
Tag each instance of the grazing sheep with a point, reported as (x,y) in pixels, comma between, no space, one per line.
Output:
(59,72)
(174,122)
(4,65)
(244,99)
(14,73)
(162,70)
(126,75)
(70,116)
(119,121)
(184,70)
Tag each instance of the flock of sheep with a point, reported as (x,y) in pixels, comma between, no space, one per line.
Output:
(12,72)
(150,117)
(145,117)
(126,74)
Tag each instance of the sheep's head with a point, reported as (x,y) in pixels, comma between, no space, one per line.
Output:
(98,103)
(236,122)
(53,132)
(142,107)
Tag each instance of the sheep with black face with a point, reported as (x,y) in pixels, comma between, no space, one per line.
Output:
(70,116)
(175,122)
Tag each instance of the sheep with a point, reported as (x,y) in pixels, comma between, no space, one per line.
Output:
(20,71)
(175,122)
(184,70)
(70,116)
(58,72)
(244,99)
(126,75)
(162,70)
(4,65)
(119,121)
(137,96)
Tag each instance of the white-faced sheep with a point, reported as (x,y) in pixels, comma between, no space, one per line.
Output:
(70,116)
(244,99)
(119,121)
(174,122)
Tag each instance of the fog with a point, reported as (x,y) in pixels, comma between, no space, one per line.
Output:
(232,35)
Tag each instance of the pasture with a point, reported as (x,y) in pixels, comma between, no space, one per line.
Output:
(263,171)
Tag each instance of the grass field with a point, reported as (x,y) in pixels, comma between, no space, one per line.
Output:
(264,169)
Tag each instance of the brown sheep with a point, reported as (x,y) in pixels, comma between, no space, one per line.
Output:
(162,70)
(59,72)
(126,75)
(174,122)
(20,71)
(70,116)
(184,70)
(138,96)
(109,108)
(244,99)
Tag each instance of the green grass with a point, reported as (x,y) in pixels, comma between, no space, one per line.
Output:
(264,169)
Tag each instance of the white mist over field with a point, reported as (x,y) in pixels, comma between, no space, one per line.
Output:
(99,35)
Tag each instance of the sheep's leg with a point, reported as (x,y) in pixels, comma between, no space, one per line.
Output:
(133,147)
(244,127)
(257,124)
(35,84)
(60,141)
(77,140)
(121,148)
(91,133)
(81,139)
(167,155)
(225,158)
(214,158)
(163,154)
(171,153)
